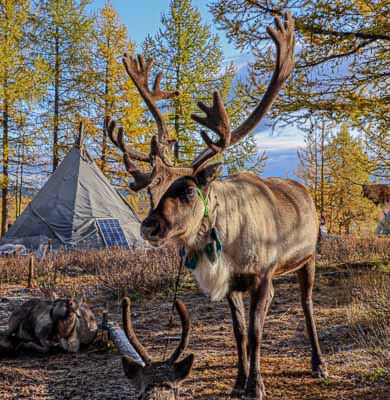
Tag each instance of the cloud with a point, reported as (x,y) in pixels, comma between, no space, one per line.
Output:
(281,148)
(288,139)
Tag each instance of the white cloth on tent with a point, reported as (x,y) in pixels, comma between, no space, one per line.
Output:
(13,250)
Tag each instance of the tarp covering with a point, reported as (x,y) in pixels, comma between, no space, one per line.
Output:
(66,208)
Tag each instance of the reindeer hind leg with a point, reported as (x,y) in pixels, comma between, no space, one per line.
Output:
(306,281)
(260,301)
(237,308)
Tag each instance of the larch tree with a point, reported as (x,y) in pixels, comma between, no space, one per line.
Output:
(341,63)
(348,211)
(63,31)
(313,167)
(191,59)
(20,85)
(114,93)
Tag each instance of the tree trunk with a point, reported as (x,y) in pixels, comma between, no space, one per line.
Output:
(56,100)
(5,183)
(322,167)
(177,129)
(176,150)
(103,157)
(315,168)
(20,193)
(4,189)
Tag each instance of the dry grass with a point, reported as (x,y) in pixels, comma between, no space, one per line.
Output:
(144,271)
(119,271)
(148,271)
(370,316)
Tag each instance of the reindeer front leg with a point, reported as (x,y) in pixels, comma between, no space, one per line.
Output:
(261,298)
(42,347)
(71,344)
(237,308)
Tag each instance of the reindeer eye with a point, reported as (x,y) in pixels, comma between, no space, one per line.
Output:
(157,181)
(190,192)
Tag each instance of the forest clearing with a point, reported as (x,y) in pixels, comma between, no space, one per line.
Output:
(96,373)
(358,363)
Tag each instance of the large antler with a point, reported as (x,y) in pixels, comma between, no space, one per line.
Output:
(132,337)
(186,327)
(139,72)
(216,119)
(284,38)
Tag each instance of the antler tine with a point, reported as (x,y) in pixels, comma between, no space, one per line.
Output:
(284,38)
(110,128)
(139,71)
(141,179)
(186,326)
(218,121)
(118,139)
(131,336)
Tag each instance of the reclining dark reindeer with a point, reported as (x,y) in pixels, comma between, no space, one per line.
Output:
(155,380)
(40,325)
(253,230)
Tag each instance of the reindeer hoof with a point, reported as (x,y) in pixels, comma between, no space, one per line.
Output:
(238,388)
(236,393)
(259,393)
(320,371)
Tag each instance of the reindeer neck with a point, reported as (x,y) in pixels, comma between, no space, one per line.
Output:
(65,328)
(201,233)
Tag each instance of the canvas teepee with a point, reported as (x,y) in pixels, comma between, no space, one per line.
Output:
(68,210)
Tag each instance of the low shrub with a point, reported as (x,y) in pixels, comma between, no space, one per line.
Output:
(120,271)
(370,315)
(349,249)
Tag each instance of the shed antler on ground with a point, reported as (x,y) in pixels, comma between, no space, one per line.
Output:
(154,380)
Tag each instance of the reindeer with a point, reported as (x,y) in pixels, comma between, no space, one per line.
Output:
(40,325)
(154,380)
(239,233)
(378,193)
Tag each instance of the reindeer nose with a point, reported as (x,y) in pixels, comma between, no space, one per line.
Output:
(150,228)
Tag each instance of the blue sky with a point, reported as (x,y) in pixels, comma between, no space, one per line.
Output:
(143,18)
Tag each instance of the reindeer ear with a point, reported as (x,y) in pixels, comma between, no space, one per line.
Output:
(80,300)
(132,370)
(53,296)
(208,174)
(183,368)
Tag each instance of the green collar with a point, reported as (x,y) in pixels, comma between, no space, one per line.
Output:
(204,201)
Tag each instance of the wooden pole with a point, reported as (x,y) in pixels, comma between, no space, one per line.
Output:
(31,278)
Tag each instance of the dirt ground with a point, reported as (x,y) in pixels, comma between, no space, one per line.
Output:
(97,374)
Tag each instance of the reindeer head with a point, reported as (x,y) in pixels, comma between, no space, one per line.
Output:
(157,380)
(64,308)
(175,206)
(65,313)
